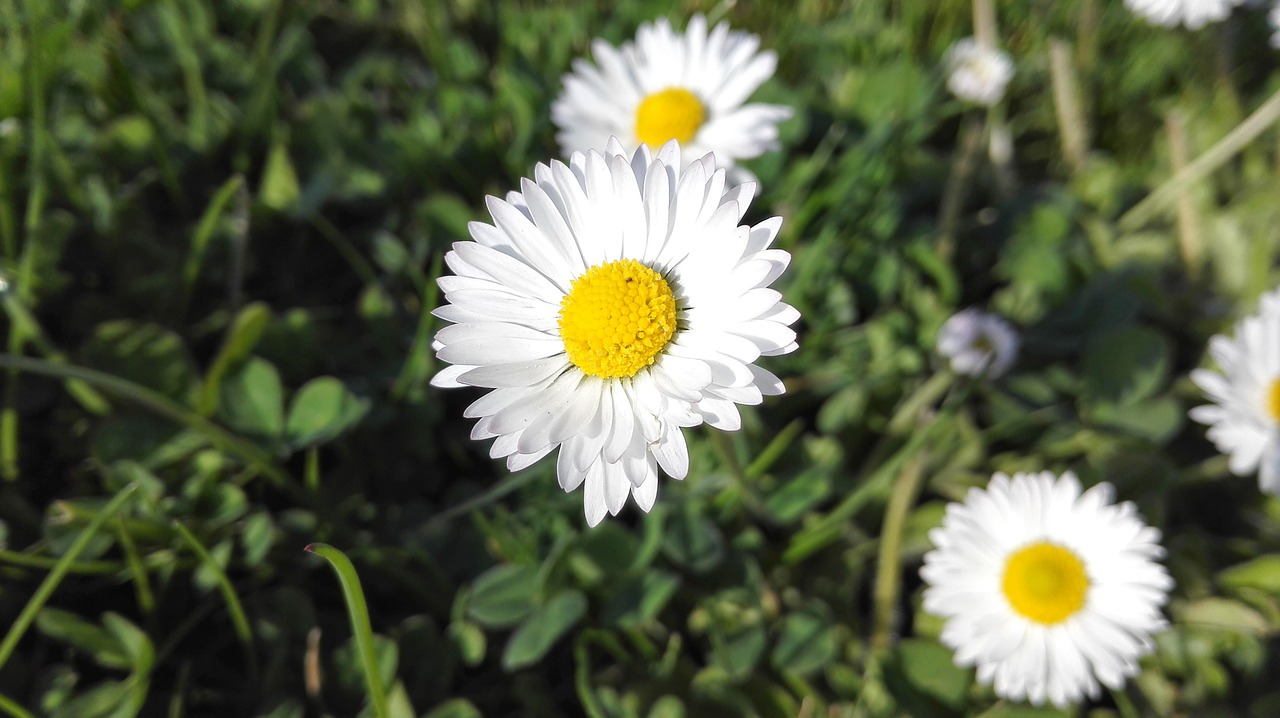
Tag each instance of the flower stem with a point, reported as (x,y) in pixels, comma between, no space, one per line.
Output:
(888,568)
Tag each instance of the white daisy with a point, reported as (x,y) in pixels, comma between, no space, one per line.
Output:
(666,86)
(975,342)
(1194,14)
(1244,420)
(976,73)
(1273,17)
(614,301)
(1048,591)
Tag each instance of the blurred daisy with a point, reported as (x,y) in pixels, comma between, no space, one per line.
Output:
(614,301)
(1244,420)
(975,342)
(976,73)
(1274,18)
(1194,14)
(666,86)
(1048,591)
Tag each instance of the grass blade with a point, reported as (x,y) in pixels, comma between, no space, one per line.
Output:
(238,618)
(50,583)
(359,612)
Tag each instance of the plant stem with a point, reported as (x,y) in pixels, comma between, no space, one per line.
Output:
(358,611)
(888,570)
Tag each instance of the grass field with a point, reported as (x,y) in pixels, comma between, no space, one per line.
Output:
(220,227)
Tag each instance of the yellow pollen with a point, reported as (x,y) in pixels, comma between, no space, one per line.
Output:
(1273,399)
(1045,582)
(616,318)
(671,114)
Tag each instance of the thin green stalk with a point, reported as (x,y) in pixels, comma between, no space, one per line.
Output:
(582,679)
(162,406)
(888,568)
(238,619)
(1166,194)
(59,571)
(8,705)
(358,610)
(142,586)
(1190,241)
(1073,128)
(504,487)
(774,450)
(202,235)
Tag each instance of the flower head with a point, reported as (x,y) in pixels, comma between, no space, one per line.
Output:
(1194,14)
(976,73)
(1047,590)
(975,342)
(665,86)
(613,302)
(1244,418)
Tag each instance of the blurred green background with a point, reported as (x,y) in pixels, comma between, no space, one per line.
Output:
(220,225)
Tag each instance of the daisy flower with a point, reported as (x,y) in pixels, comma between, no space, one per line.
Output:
(976,73)
(975,342)
(1244,418)
(1048,591)
(613,302)
(1273,16)
(666,86)
(1194,14)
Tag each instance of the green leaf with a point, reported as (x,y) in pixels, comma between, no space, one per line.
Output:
(101,701)
(503,595)
(322,409)
(640,598)
(1223,614)
(253,400)
(241,338)
(1124,366)
(798,494)
(806,642)
(136,644)
(543,628)
(279,189)
(358,612)
(929,667)
(257,538)
(144,354)
(693,541)
(94,640)
(1262,573)
(1157,420)
(456,708)
(1006,710)
(469,641)
(737,649)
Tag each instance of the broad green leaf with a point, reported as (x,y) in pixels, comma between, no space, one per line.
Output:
(136,644)
(806,642)
(456,708)
(1223,614)
(1262,573)
(101,701)
(503,595)
(930,668)
(640,598)
(145,354)
(543,628)
(1124,366)
(693,541)
(253,400)
(468,640)
(322,409)
(798,494)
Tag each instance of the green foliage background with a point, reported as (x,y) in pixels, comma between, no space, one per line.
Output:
(221,223)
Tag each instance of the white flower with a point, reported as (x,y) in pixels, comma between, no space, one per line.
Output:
(975,342)
(1195,14)
(615,301)
(1048,591)
(1274,17)
(976,73)
(1244,420)
(665,86)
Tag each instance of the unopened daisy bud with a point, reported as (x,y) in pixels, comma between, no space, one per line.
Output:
(1050,592)
(1194,14)
(690,87)
(976,73)
(974,342)
(613,302)
(1244,418)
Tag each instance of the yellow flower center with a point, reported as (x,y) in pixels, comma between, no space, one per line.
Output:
(616,318)
(1273,400)
(1045,582)
(671,114)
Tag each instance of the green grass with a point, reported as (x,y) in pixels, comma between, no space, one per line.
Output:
(220,226)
